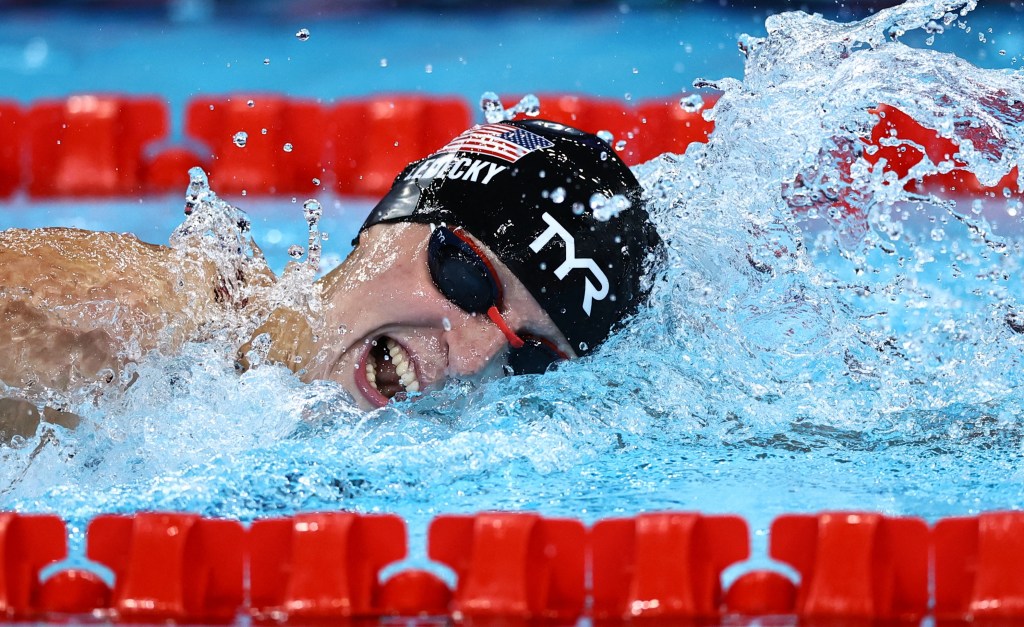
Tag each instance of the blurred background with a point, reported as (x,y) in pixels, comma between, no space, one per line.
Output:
(334,51)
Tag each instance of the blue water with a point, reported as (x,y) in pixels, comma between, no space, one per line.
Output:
(783,365)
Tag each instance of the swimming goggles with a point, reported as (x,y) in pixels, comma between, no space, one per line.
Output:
(463,274)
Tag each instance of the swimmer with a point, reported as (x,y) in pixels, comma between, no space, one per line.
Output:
(485,257)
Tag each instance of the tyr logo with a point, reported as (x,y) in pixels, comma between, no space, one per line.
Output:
(590,291)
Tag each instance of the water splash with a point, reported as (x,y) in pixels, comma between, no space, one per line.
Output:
(819,337)
(494,111)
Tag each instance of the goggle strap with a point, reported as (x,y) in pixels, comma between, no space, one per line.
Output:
(514,340)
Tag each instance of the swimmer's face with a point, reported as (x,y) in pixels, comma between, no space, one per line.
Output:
(389,331)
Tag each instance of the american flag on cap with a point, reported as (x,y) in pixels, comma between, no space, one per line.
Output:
(505,142)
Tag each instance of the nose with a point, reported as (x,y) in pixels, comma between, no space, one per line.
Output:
(473,343)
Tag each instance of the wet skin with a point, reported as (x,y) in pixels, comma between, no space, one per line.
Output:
(383,292)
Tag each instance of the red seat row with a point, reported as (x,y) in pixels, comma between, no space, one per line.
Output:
(111,145)
(517,566)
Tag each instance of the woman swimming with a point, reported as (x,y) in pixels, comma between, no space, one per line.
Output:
(514,246)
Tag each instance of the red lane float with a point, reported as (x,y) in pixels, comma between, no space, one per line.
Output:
(10,148)
(515,565)
(322,565)
(665,565)
(372,139)
(171,566)
(978,563)
(92,145)
(909,142)
(27,544)
(282,150)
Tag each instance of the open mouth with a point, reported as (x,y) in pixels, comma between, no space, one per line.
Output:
(389,371)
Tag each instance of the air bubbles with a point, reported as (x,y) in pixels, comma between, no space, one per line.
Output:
(295,251)
(691,103)
(303,34)
(240,138)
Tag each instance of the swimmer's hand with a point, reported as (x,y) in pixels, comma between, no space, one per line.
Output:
(285,338)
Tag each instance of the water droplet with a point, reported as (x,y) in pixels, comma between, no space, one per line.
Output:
(606,136)
(938,234)
(620,145)
(491,105)
(558,195)
(295,251)
(240,138)
(316,181)
(312,210)
(429,69)
(530,105)
(691,103)
(263,131)
(583,346)
(251,104)
(578,208)
(303,34)
(266,61)
(383,62)
(325,236)
(287,147)
(446,324)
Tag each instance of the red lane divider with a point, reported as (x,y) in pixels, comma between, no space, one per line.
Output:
(893,124)
(322,565)
(515,565)
(665,565)
(27,544)
(171,566)
(978,563)
(282,149)
(102,145)
(373,139)
(92,145)
(10,147)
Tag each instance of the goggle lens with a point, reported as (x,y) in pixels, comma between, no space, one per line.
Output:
(462,274)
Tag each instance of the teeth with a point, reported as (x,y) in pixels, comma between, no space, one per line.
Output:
(404,367)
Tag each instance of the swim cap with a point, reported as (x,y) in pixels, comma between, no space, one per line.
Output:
(528,189)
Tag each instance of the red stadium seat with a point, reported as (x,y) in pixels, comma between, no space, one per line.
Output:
(11,125)
(855,565)
(663,565)
(667,127)
(322,565)
(27,544)
(512,565)
(171,566)
(978,567)
(284,143)
(374,139)
(92,145)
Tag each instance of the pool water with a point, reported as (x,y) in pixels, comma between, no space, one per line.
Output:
(790,361)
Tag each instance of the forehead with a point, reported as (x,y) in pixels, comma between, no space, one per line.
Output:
(389,245)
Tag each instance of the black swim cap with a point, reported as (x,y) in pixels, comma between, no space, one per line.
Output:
(528,190)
